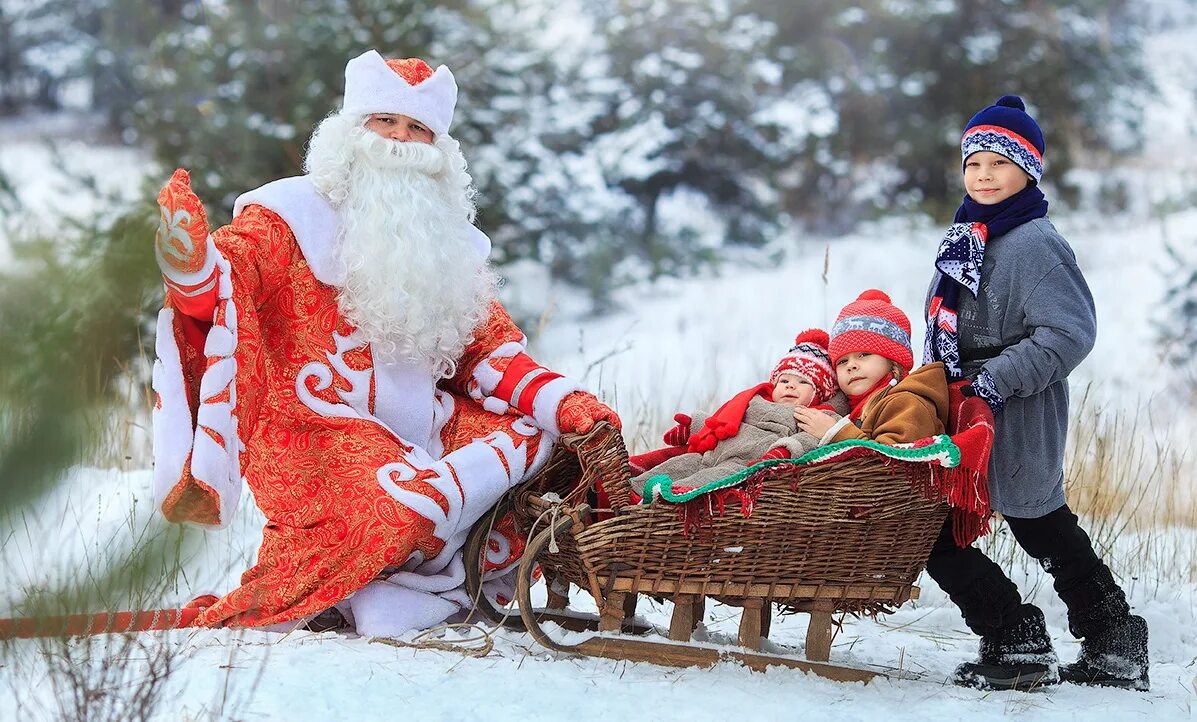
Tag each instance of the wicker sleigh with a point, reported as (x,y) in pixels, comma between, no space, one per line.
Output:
(849,536)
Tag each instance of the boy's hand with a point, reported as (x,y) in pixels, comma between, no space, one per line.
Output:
(814,422)
(984,387)
(680,434)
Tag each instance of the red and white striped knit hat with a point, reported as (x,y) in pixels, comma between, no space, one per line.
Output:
(809,358)
(874,324)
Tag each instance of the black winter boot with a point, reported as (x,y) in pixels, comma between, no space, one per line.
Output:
(1115,657)
(1019,656)
(1114,646)
(1113,641)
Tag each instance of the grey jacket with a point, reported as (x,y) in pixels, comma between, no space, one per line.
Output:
(766,425)
(1036,317)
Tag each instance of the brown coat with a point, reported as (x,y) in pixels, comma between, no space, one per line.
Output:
(917,407)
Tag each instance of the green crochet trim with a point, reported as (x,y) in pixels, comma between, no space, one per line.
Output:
(941,450)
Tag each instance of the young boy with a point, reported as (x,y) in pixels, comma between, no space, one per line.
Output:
(1009,310)
(870,348)
(756,424)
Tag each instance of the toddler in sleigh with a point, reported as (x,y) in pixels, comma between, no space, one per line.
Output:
(888,402)
(756,424)
(854,383)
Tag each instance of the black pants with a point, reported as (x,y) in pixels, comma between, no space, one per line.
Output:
(988,599)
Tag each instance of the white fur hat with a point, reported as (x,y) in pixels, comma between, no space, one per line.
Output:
(374,85)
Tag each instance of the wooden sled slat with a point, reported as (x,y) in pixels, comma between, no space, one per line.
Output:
(888,592)
(586,623)
(684,655)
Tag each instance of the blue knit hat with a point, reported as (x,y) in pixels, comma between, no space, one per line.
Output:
(1006,129)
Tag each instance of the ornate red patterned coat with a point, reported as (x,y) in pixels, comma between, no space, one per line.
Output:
(369,474)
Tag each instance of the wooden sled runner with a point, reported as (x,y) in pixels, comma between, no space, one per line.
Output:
(849,536)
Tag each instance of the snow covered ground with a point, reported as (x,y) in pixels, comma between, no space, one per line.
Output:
(60,169)
(304,676)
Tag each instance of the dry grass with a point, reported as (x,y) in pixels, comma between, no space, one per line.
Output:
(1129,467)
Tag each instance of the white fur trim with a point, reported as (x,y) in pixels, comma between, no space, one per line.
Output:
(385,609)
(405,395)
(172,412)
(486,468)
(218,466)
(485,378)
(835,429)
(311,218)
(405,400)
(426,591)
(548,398)
(315,222)
(372,87)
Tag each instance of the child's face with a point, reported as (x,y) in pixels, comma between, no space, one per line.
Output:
(858,372)
(793,390)
(990,178)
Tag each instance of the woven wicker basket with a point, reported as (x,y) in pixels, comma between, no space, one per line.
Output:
(850,524)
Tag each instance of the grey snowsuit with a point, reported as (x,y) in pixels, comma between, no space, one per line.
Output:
(1031,324)
(766,425)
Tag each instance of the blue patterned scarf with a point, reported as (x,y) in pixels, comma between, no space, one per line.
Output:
(961,253)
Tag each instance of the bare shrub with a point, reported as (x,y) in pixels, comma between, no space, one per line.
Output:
(109,677)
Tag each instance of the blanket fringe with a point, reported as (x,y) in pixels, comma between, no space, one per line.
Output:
(697,513)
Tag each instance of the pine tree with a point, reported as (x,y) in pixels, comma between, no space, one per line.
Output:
(1178,329)
(39,54)
(903,78)
(232,91)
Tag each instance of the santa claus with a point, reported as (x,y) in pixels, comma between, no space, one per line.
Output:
(339,346)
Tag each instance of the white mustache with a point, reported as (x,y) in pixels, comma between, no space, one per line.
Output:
(385,153)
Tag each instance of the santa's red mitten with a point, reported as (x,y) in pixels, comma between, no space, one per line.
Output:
(181,243)
(579,411)
(777,452)
(680,434)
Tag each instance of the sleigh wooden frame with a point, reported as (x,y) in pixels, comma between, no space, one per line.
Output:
(850,536)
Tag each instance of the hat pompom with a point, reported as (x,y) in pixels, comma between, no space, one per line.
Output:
(816,336)
(874,294)
(1011,101)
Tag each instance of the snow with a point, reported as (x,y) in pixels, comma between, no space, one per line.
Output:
(261,675)
(50,161)
(675,346)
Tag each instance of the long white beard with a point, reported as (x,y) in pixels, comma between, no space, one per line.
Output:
(415,286)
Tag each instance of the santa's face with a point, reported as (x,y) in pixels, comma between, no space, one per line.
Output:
(398,127)
(415,285)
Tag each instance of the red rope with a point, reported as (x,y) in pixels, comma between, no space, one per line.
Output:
(85,625)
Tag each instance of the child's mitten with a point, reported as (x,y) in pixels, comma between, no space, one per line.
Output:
(984,387)
(680,434)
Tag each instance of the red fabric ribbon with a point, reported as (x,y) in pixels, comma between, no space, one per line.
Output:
(857,403)
(725,423)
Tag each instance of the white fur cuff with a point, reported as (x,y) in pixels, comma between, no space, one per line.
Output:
(548,399)
(835,429)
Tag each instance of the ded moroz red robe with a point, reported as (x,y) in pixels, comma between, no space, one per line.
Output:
(369,474)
